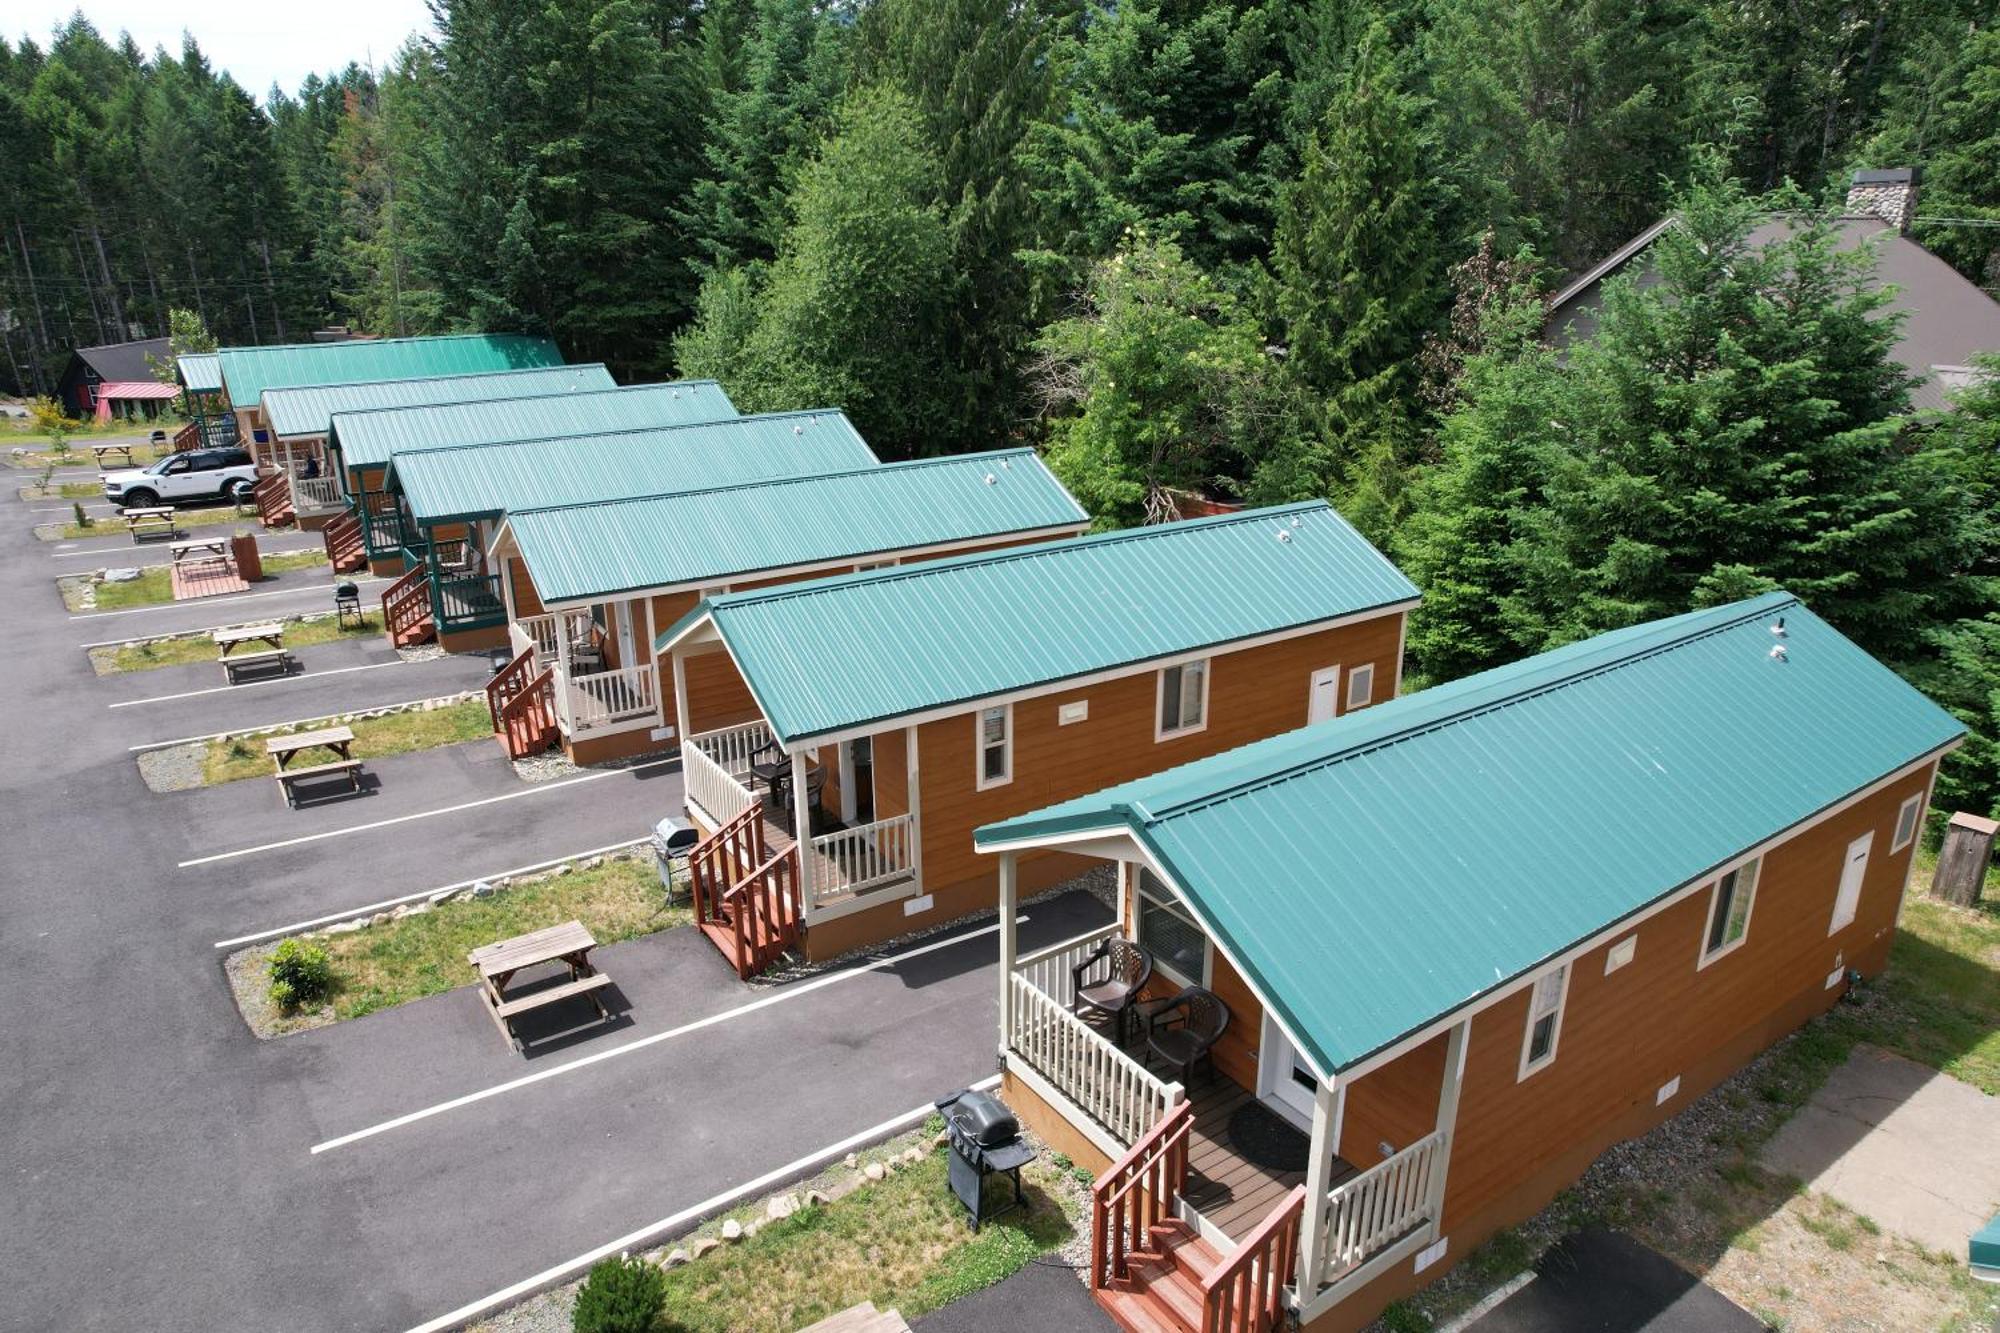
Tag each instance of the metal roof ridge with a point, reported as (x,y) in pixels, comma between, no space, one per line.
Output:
(592,434)
(929,568)
(383,342)
(432,379)
(1613,658)
(520,397)
(763,483)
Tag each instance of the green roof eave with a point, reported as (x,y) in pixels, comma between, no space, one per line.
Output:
(1984,1250)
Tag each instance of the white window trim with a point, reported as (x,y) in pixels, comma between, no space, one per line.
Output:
(1555,1031)
(1914,808)
(980,780)
(1702,955)
(1160,733)
(1364,672)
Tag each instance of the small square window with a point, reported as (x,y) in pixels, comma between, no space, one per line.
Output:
(1906,823)
(1183,699)
(1545,1006)
(1361,686)
(1729,911)
(996,746)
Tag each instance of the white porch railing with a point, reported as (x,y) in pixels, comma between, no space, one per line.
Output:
(1102,1081)
(731,747)
(316,495)
(543,632)
(605,699)
(1052,970)
(716,764)
(1387,1201)
(857,859)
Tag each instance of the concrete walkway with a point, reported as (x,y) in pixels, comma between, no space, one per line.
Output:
(160,1158)
(1916,1151)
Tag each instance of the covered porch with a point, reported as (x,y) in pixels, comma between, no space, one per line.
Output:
(1296,1223)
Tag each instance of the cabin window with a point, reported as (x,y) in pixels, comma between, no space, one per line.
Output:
(1183,699)
(1906,823)
(996,745)
(1729,911)
(1361,686)
(1168,933)
(1545,1006)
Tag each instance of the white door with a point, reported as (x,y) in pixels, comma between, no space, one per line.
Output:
(1852,872)
(1324,701)
(1282,1077)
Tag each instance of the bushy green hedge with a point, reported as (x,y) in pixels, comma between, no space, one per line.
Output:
(620,1296)
(301,974)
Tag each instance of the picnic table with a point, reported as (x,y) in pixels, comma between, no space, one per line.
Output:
(104,451)
(227,641)
(189,551)
(338,740)
(149,521)
(568,944)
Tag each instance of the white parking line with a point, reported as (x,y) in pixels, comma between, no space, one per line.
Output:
(104,552)
(230,600)
(784,996)
(424,814)
(387,903)
(249,685)
(707,1208)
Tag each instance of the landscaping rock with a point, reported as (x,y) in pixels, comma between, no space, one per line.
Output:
(122,575)
(874,1171)
(850,1160)
(442,896)
(912,1154)
(674,1258)
(703,1246)
(346,927)
(781,1207)
(482,889)
(752,1227)
(816,1197)
(732,1230)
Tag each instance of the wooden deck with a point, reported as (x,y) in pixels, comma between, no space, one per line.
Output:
(1232,1192)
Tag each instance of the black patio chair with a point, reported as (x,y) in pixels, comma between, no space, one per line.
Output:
(1127,967)
(1184,1030)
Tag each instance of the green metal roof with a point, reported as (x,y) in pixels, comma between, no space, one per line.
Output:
(709,536)
(1984,1251)
(837,653)
(248,371)
(305,409)
(1376,872)
(369,439)
(488,479)
(199,372)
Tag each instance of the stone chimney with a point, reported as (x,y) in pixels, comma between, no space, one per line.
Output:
(1890,195)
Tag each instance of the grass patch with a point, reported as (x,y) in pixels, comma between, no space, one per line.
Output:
(111,525)
(1501,1257)
(421,955)
(231,759)
(195,649)
(902,1243)
(154,585)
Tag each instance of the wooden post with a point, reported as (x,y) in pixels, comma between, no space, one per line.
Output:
(1962,860)
(1319,1172)
(1008,891)
(911,790)
(680,695)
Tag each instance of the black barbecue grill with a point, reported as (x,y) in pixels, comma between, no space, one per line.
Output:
(985,1141)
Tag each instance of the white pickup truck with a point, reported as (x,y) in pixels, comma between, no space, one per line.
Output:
(198,474)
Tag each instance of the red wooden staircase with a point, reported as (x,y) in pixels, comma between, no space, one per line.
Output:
(522,701)
(406,609)
(344,548)
(746,898)
(1154,1273)
(273,495)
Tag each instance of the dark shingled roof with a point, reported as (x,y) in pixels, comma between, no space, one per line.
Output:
(127,361)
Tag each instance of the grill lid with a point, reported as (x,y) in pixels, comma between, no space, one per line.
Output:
(980,1118)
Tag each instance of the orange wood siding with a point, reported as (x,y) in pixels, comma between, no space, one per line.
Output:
(1253,693)
(527,598)
(1396,1104)
(892,774)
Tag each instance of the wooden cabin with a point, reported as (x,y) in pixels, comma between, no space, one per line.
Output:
(450,503)
(248,371)
(298,417)
(210,423)
(362,443)
(880,718)
(1465,941)
(590,585)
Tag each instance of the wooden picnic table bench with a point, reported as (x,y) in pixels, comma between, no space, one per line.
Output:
(270,633)
(338,740)
(187,551)
(104,451)
(569,944)
(234,667)
(149,521)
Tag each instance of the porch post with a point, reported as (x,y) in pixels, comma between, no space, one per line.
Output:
(507,588)
(803,824)
(916,806)
(1008,894)
(1319,1172)
(680,696)
(1447,1119)
(563,673)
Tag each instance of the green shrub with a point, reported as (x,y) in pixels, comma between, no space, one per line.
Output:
(82,519)
(620,1296)
(301,974)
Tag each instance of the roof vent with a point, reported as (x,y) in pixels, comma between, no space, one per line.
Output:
(798,430)
(1283,535)
(991,479)
(1295,521)
(1779,628)
(1778,653)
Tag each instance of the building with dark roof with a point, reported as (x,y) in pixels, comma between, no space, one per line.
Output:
(90,368)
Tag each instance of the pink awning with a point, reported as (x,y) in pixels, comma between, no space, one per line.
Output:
(136,389)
